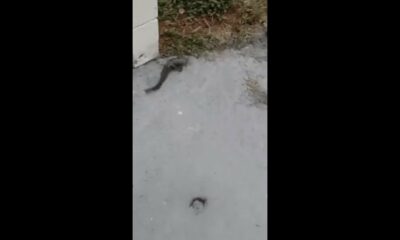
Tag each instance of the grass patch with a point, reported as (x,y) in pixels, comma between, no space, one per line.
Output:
(176,44)
(193,27)
(193,8)
(255,92)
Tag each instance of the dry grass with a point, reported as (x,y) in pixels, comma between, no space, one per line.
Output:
(181,34)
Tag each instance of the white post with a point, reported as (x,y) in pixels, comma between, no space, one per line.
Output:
(145,31)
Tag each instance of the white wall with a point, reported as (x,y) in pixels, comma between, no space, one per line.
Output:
(145,31)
